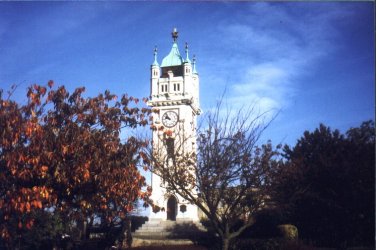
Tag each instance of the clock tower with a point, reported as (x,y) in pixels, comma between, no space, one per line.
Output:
(174,92)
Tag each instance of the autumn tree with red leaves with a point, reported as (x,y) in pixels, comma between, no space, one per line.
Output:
(63,151)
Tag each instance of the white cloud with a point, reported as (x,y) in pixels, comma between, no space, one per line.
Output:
(271,84)
(268,52)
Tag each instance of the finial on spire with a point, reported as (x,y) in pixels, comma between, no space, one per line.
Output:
(155,56)
(194,64)
(186,53)
(175,34)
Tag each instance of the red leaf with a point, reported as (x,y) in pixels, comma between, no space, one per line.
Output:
(50,83)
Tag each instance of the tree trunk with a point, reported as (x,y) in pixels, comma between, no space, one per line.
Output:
(82,228)
(225,243)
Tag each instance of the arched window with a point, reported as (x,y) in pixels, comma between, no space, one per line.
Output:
(171,208)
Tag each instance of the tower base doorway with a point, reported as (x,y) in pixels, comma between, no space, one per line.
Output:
(171,208)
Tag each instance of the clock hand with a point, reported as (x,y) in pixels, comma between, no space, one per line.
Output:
(167,117)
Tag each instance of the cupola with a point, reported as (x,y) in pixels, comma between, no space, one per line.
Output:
(173,58)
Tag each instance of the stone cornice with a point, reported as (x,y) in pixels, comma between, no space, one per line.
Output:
(162,103)
(158,103)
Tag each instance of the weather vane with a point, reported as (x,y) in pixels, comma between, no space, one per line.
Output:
(174,34)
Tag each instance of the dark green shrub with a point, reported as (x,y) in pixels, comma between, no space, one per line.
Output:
(45,233)
(266,222)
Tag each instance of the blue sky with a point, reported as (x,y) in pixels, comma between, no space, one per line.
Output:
(312,61)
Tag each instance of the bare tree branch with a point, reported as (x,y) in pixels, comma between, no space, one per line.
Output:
(224,174)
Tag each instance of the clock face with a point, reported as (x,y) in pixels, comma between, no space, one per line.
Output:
(169,119)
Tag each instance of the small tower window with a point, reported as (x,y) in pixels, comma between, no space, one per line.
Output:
(164,87)
(170,148)
(176,87)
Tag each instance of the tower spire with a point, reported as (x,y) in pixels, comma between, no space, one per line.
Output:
(155,63)
(194,65)
(175,34)
(186,53)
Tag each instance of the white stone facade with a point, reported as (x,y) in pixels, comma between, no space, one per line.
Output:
(174,88)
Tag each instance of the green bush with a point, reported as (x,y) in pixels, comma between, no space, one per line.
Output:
(46,231)
(265,226)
